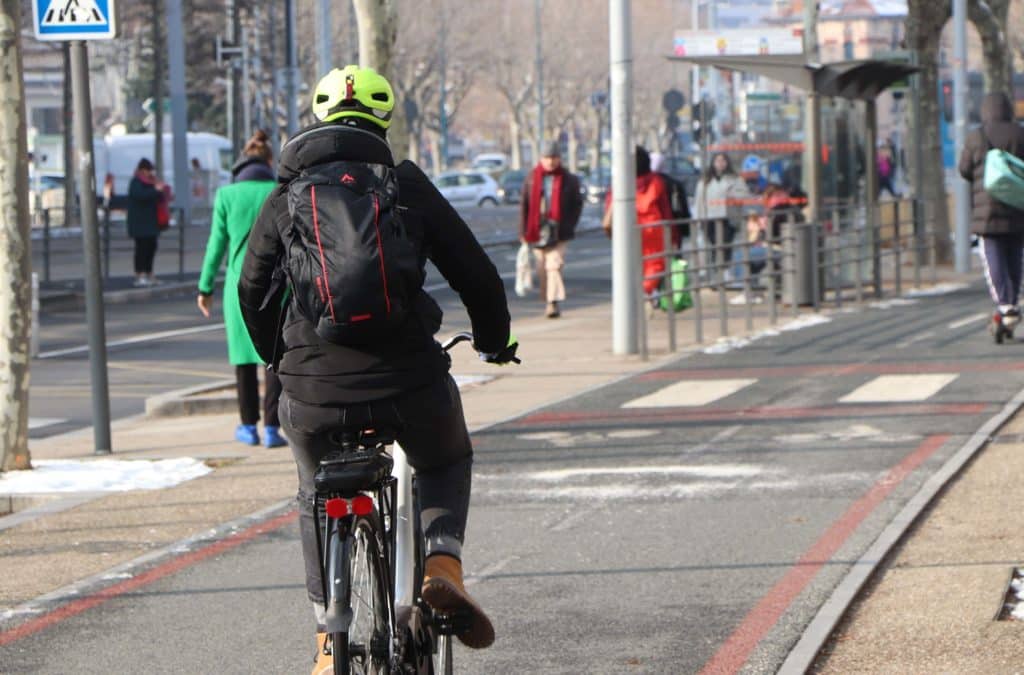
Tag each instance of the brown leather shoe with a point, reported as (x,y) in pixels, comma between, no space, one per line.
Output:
(324,663)
(443,590)
(552,311)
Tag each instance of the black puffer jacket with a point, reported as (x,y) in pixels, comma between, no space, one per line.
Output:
(321,373)
(989,216)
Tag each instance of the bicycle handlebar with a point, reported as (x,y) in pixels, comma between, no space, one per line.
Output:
(507,356)
(456,339)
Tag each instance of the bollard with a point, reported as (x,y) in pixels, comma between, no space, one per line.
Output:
(46,244)
(917,246)
(106,241)
(181,243)
(748,289)
(773,307)
(670,285)
(718,254)
(789,264)
(33,344)
(695,288)
(837,254)
(858,265)
(897,247)
(816,264)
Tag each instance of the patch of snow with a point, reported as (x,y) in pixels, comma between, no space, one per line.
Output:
(101,475)
(939,289)
(469,380)
(893,302)
(727,344)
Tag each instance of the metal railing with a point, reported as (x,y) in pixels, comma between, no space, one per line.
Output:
(57,249)
(849,255)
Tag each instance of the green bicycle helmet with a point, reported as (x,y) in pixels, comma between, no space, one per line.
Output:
(354,92)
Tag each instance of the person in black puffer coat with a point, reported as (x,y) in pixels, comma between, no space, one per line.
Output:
(401,383)
(1000,226)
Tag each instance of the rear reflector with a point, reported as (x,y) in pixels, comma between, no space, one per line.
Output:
(362,505)
(336,508)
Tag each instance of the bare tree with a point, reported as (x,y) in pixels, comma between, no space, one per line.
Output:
(990,18)
(378,30)
(15,288)
(925,19)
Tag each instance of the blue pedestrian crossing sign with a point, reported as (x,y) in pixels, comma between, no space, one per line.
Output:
(73,19)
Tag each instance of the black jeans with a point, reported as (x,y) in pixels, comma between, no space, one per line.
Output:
(145,251)
(434,436)
(249,395)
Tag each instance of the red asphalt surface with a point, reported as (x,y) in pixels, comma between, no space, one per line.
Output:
(736,649)
(172,566)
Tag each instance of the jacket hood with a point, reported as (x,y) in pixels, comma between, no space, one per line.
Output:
(996,108)
(251,168)
(331,143)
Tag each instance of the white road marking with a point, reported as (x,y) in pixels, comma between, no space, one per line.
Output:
(490,570)
(916,338)
(135,339)
(899,388)
(969,320)
(569,521)
(856,432)
(722,435)
(702,471)
(566,439)
(689,394)
(40,422)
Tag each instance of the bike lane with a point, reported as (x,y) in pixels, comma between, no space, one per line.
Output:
(689,519)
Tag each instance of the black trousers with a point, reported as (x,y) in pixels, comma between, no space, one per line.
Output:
(434,437)
(249,395)
(145,252)
(1003,266)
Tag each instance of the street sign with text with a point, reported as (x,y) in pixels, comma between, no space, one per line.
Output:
(74,19)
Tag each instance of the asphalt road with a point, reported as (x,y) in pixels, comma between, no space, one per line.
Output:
(688,519)
(174,356)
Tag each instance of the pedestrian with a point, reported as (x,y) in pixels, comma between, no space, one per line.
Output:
(886,170)
(677,200)
(653,210)
(354,342)
(234,210)
(1000,226)
(199,179)
(719,198)
(148,215)
(548,213)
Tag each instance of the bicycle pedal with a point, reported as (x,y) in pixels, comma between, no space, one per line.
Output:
(453,623)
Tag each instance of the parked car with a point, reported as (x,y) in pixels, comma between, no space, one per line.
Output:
(595,188)
(468,188)
(491,162)
(510,186)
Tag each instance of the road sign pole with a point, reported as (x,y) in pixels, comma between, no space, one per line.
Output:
(91,243)
(179,110)
(625,244)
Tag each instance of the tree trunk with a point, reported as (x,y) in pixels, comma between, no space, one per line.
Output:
(516,141)
(158,92)
(924,29)
(378,30)
(572,149)
(15,285)
(435,152)
(990,18)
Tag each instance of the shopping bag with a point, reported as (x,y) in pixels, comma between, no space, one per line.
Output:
(680,299)
(524,270)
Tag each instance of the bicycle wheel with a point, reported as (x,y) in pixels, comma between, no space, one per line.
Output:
(365,648)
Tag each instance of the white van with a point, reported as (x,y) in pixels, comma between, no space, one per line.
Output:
(117,156)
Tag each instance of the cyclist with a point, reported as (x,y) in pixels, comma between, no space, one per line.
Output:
(403,380)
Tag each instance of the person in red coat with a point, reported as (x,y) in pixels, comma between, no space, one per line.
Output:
(652,206)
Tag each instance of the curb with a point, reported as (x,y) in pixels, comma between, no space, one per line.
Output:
(76,299)
(196,400)
(824,623)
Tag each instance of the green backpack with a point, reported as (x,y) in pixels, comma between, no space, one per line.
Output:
(1004,177)
(680,299)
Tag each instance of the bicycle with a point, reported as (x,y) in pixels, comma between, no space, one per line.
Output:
(371,551)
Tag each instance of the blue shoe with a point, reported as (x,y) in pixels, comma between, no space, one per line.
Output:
(246,433)
(272,437)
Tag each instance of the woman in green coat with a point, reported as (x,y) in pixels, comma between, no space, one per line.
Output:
(234,210)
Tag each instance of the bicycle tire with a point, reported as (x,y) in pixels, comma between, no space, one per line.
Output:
(356,651)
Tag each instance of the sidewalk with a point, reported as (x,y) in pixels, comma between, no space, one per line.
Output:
(942,585)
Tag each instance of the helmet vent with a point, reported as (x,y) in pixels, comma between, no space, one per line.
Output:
(322,98)
(380,96)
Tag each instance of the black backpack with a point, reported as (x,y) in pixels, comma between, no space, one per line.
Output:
(347,256)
